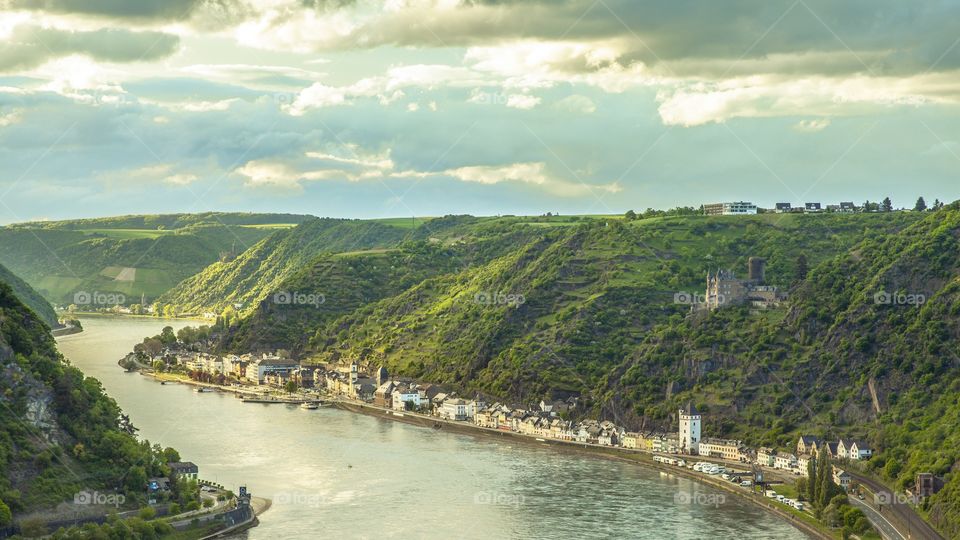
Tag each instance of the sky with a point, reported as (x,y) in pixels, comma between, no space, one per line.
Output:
(377,108)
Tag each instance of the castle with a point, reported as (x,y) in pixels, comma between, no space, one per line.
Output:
(724,289)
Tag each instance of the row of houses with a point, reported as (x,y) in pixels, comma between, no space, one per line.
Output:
(744,208)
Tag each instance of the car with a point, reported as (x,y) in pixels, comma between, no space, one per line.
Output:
(725,476)
(746,483)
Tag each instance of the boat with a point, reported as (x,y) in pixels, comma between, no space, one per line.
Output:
(308,405)
(203,390)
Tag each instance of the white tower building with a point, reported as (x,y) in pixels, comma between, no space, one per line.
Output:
(689,430)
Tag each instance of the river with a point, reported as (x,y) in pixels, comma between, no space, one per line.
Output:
(336,474)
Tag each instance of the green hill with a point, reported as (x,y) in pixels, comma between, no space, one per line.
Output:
(131,255)
(589,310)
(59,433)
(247,279)
(30,298)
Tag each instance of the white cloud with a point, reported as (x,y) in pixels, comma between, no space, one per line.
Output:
(10,118)
(317,95)
(522,101)
(811,126)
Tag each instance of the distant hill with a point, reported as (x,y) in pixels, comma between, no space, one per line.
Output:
(31,298)
(248,278)
(133,255)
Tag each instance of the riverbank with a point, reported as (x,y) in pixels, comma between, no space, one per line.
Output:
(805,524)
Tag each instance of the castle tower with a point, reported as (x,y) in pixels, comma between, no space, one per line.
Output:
(689,429)
(757,268)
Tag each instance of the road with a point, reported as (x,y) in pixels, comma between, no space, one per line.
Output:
(897,512)
(880,523)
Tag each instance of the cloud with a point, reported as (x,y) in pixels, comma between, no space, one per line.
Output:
(810,126)
(522,101)
(30,46)
(138,10)
(317,166)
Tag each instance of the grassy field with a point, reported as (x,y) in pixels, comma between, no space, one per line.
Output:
(128,234)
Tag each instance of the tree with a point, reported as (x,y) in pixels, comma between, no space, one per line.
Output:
(167,337)
(812,480)
(802,268)
(887,205)
(630,215)
(6,517)
(921,205)
(290,387)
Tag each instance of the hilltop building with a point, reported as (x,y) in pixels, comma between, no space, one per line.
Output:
(740,208)
(723,288)
(689,430)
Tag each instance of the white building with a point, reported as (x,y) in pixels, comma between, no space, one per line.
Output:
(454,409)
(400,398)
(739,208)
(258,371)
(689,429)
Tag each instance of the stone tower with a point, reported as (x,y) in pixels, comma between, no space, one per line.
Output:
(689,429)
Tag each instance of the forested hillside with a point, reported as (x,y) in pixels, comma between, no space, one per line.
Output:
(29,297)
(59,433)
(132,255)
(247,279)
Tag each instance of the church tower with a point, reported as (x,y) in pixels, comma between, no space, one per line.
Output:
(689,429)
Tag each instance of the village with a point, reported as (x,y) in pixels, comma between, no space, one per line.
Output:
(273,373)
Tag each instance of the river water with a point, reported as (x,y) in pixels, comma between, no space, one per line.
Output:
(336,474)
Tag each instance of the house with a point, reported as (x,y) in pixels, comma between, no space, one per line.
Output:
(608,437)
(859,449)
(721,448)
(803,462)
(812,207)
(666,444)
(383,396)
(739,208)
(782,208)
(405,399)
(831,449)
(766,457)
(454,409)
(785,461)
(630,440)
(257,371)
(841,477)
(183,469)
(848,207)
(807,444)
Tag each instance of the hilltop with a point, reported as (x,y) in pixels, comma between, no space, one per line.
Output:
(29,297)
(133,256)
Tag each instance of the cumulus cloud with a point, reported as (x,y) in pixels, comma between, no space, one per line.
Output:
(316,166)
(811,126)
(30,46)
